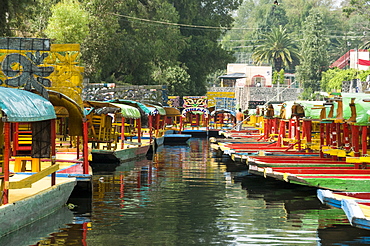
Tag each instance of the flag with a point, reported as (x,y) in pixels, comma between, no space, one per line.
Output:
(363,62)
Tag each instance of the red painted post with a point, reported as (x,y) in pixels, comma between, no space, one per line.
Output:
(122,132)
(181,124)
(347,143)
(85,151)
(328,134)
(322,138)
(298,134)
(364,140)
(53,148)
(308,131)
(157,126)
(281,132)
(6,161)
(150,123)
(355,140)
(334,135)
(290,128)
(266,128)
(339,135)
(138,122)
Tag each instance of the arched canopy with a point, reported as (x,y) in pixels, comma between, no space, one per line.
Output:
(75,113)
(135,104)
(127,111)
(222,111)
(155,109)
(23,106)
(172,112)
(310,108)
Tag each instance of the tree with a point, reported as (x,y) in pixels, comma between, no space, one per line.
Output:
(176,78)
(313,55)
(68,23)
(203,54)
(131,47)
(332,79)
(15,15)
(277,48)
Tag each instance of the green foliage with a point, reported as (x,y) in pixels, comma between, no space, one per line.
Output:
(130,49)
(281,76)
(314,54)
(332,79)
(275,77)
(15,15)
(176,78)
(68,23)
(277,48)
(202,54)
(213,78)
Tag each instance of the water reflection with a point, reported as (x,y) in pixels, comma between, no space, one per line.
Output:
(31,234)
(187,196)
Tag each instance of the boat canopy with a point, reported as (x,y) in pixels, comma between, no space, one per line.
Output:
(23,106)
(221,111)
(156,109)
(127,111)
(75,112)
(144,108)
(171,111)
(311,108)
(362,108)
(149,109)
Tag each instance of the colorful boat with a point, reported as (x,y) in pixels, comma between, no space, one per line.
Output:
(112,128)
(358,212)
(334,198)
(30,195)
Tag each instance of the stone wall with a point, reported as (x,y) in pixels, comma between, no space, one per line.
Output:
(274,93)
(267,94)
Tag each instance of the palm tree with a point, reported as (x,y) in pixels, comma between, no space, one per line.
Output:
(277,48)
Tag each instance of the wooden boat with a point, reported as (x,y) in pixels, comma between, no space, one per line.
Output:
(22,202)
(334,198)
(339,177)
(356,205)
(358,212)
(222,119)
(175,138)
(112,126)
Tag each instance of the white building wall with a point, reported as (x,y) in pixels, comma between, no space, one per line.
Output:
(250,71)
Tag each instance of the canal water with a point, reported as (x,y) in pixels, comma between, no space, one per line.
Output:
(188,196)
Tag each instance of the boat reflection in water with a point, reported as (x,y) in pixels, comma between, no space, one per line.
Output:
(185,196)
(31,234)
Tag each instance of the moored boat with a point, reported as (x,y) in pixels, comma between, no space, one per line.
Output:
(33,193)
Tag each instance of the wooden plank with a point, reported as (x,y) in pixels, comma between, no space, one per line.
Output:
(27,182)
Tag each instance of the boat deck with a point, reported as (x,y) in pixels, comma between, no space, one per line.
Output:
(19,194)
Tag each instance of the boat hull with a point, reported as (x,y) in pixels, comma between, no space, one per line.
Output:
(174,139)
(108,156)
(14,216)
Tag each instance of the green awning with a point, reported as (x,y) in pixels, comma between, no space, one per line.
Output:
(23,106)
(158,109)
(132,103)
(362,108)
(311,109)
(127,111)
